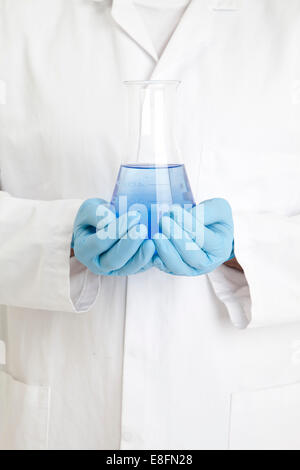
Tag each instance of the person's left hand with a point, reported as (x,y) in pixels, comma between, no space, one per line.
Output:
(109,245)
(197,241)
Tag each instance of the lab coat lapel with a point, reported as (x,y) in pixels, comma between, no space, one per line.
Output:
(128,18)
(192,34)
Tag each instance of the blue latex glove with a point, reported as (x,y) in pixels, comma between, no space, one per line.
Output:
(109,245)
(197,241)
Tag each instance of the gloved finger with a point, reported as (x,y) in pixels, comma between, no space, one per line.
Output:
(93,245)
(93,209)
(217,242)
(124,249)
(117,229)
(211,239)
(189,251)
(91,213)
(105,216)
(170,256)
(147,266)
(141,261)
(157,262)
(215,210)
(192,221)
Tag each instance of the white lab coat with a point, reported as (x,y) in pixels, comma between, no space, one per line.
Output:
(152,361)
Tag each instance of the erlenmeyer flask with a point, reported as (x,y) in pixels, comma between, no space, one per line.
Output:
(152,176)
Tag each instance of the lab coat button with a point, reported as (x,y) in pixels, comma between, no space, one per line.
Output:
(2,92)
(2,353)
(127,436)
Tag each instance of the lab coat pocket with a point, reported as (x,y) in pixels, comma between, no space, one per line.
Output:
(267,419)
(24,413)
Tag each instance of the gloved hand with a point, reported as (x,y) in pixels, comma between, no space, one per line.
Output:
(109,245)
(197,241)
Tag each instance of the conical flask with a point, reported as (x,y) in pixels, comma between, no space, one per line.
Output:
(152,175)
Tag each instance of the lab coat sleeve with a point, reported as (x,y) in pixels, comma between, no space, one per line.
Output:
(268,293)
(35,266)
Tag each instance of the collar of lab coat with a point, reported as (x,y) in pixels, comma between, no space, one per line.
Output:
(128,18)
(193,30)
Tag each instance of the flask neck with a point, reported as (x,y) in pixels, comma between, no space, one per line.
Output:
(151,123)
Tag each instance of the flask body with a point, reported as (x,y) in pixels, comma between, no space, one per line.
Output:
(152,176)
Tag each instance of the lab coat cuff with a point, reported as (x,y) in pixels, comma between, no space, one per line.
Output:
(267,294)
(267,247)
(84,286)
(37,272)
(231,287)
(78,288)
(63,280)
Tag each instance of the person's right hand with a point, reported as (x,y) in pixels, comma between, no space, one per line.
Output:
(108,245)
(196,241)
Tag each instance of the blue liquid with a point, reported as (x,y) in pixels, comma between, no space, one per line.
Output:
(151,189)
